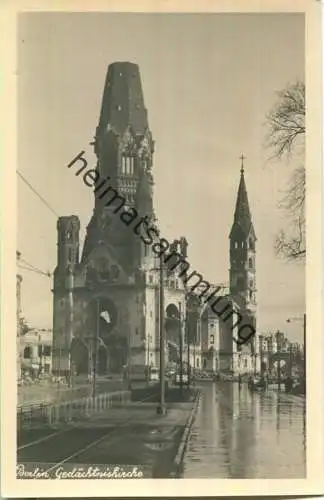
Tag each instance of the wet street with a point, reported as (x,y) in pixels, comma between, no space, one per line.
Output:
(239,434)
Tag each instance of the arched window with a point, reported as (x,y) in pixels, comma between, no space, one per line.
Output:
(124,165)
(236,244)
(27,352)
(250,263)
(131,165)
(127,166)
(212,339)
(251,244)
(197,362)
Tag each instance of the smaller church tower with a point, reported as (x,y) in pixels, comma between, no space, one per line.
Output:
(68,229)
(242,250)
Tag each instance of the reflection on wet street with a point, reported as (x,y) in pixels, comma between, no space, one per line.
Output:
(239,434)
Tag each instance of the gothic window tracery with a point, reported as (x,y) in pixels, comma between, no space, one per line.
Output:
(27,352)
(128,165)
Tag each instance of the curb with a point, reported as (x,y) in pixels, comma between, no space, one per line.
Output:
(185,436)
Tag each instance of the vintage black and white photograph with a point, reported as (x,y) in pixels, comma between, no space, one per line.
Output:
(161,321)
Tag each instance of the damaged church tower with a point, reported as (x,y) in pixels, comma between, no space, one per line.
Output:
(101,297)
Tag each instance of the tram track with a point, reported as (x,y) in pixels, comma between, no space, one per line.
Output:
(63,446)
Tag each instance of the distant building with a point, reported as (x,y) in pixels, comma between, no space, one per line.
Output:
(36,352)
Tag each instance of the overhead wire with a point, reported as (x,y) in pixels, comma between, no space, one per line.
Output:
(34,268)
(43,273)
(31,267)
(34,190)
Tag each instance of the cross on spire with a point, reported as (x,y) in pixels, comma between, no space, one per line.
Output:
(242,158)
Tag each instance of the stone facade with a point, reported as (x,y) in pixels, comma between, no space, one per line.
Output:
(106,298)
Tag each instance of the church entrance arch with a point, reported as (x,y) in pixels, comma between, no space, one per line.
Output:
(172,331)
(117,350)
(102,360)
(79,357)
(104,316)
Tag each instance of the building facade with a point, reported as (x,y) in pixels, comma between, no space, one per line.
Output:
(106,297)
(35,351)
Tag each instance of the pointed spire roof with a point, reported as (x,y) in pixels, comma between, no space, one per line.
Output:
(123,102)
(242,214)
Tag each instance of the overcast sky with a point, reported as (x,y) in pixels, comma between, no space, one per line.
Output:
(208,81)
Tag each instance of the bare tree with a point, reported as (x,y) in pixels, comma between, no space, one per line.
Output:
(286,138)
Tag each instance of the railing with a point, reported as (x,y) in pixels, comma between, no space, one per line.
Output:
(53,393)
(52,414)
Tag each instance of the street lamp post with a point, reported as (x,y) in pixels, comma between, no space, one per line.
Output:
(161,410)
(149,340)
(95,349)
(303,319)
(180,347)
(188,353)
(305,364)
(278,364)
(70,303)
(261,354)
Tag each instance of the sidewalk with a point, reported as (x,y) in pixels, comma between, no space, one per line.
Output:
(139,436)
(139,414)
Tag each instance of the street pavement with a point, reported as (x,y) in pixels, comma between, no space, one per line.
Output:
(242,435)
(131,435)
